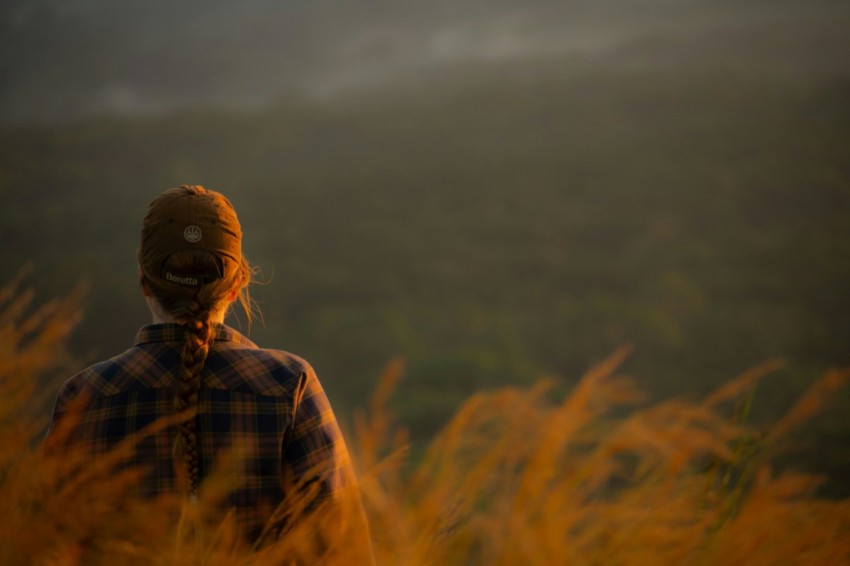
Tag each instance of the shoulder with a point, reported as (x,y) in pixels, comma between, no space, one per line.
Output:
(99,380)
(258,370)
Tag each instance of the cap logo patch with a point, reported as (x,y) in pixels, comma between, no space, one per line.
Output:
(192,234)
(182,280)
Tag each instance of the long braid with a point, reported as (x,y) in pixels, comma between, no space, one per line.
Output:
(199,336)
(193,310)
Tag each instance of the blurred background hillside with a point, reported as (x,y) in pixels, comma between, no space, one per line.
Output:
(496,190)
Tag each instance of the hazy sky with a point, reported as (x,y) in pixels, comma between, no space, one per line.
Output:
(62,58)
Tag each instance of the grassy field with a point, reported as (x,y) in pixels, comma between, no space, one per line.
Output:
(688,195)
(519,475)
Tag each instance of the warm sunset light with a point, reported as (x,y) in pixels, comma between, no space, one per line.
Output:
(573,277)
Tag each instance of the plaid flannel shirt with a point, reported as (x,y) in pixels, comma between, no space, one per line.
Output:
(267,402)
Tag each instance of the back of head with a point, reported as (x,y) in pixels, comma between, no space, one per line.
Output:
(191,250)
(191,262)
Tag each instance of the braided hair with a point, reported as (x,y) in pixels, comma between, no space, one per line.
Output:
(192,307)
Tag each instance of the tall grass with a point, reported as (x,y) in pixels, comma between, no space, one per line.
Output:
(518,476)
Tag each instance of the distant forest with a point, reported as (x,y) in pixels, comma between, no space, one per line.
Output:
(688,195)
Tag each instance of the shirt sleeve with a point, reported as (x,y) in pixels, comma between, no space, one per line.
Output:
(314,450)
(317,466)
(69,399)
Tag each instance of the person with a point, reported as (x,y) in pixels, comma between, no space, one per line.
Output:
(226,392)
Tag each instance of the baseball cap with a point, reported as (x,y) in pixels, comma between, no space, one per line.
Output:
(190,217)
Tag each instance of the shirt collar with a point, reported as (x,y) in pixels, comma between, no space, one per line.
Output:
(173,332)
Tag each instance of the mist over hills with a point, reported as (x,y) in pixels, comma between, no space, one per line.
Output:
(62,60)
